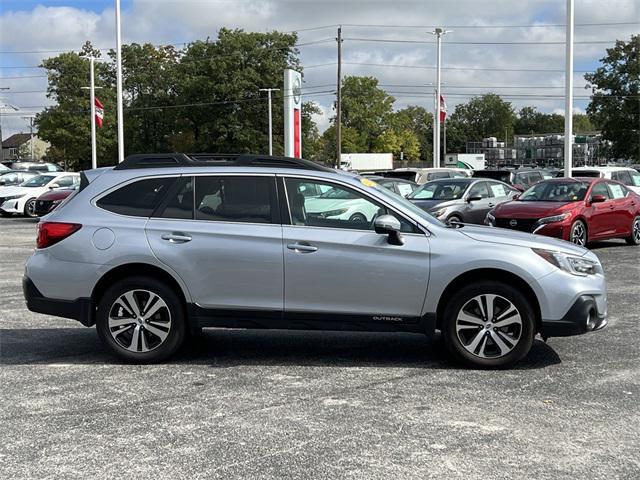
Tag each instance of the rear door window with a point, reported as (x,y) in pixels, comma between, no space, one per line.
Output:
(137,199)
(179,203)
(242,199)
(616,190)
(499,190)
(622,177)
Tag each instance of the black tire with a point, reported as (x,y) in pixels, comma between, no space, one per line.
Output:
(173,310)
(358,218)
(581,239)
(520,346)
(4,214)
(634,238)
(454,219)
(30,208)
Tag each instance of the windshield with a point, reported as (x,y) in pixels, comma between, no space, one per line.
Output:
(586,173)
(39,181)
(417,211)
(440,191)
(555,192)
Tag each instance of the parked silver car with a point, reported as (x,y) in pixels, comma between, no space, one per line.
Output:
(163,245)
(461,200)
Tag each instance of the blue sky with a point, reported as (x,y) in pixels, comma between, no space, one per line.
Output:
(38,26)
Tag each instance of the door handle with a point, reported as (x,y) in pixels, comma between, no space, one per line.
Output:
(492,204)
(302,247)
(176,237)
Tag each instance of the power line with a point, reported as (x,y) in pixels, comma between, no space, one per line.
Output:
(426,42)
(158,45)
(481,69)
(535,25)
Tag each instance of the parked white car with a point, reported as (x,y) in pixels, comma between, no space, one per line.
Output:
(340,204)
(625,175)
(21,199)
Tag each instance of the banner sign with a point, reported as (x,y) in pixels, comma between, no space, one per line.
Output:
(292,114)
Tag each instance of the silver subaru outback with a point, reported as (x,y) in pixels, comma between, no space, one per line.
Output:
(163,245)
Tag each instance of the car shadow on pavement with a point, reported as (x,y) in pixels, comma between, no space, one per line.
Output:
(219,348)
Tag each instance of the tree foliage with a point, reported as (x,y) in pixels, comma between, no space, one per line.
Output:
(615,105)
(203,98)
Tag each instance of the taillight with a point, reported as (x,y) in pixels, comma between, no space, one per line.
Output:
(50,233)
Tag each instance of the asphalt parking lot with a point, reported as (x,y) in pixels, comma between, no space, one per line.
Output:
(268,404)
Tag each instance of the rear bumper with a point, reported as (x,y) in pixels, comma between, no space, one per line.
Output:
(78,309)
(581,318)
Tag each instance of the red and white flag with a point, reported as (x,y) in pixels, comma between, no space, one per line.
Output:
(443,109)
(99,113)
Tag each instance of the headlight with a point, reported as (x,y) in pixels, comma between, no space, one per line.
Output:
(569,263)
(440,212)
(553,219)
(56,202)
(491,219)
(13,197)
(333,213)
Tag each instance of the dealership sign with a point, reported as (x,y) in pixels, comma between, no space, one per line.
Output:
(292,114)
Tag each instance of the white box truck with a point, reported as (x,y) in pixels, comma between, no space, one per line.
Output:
(366,161)
(469,161)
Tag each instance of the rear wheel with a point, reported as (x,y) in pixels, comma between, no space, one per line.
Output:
(634,238)
(141,320)
(578,233)
(488,324)
(30,208)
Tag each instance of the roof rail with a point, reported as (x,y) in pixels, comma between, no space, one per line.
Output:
(160,160)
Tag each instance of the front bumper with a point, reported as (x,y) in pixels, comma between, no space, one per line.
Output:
(45,206)
(78,309)
(584,316)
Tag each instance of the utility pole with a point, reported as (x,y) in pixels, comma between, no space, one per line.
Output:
(119,85)
(30,118)
(339,101)
(438,32)
(568,92)
(269,90)
(92,89)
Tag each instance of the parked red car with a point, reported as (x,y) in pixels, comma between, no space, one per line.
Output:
(579,210)
(46,202)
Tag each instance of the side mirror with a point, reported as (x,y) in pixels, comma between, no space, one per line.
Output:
(389,225)
(598,199)
(475,198)
(54,185)
(516,196)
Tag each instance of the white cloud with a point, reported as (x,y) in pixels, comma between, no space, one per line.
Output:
(56,27)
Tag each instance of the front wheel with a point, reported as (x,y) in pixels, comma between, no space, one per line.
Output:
(634,238)
(30,208)
(141,320)
(578,233)
(488,325)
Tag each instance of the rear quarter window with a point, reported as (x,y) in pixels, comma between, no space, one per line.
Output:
(137,199)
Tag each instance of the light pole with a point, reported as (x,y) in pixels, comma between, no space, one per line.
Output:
(438,32)
(92,96)
(119,85)
(568,93)
(269,90)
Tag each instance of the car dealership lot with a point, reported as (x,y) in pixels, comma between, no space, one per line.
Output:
(268,404)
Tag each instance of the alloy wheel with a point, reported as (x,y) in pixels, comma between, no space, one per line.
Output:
(489,326)
(579,234)
(31,207)
(139,321)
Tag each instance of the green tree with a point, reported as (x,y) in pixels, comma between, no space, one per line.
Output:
(615,104)
(419,123)
(366,108)
(67,125)
(484,116)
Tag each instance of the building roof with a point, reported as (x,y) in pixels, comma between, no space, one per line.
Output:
(15,140)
